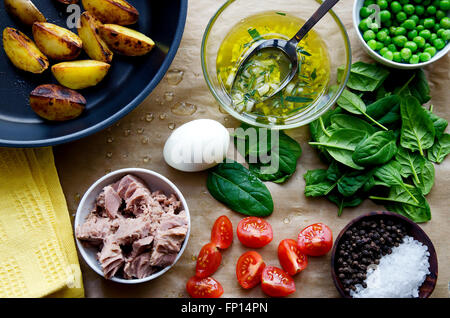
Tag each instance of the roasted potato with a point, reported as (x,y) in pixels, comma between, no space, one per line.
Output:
(56,42)
(25,11)
(80,74)
(22,52)
(93,44)
(54,102)
(126,41)
(112,11)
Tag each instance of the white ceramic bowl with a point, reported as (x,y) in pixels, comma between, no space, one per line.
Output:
(154,181)
(357,5)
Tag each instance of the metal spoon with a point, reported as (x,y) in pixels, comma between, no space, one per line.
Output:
(289,48)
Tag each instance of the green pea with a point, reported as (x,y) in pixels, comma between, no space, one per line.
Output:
(388,55)
(427,45)
(445,23)
(436,27)
(374,27)
(404,1)
(433,37)
(401,16)
(420,9)
(446,35)
(406,53)
(412,34)
(420,27)
(382,35)
(440,14)
(431,10)
(385,15)
(379,46)
(383,4)
(438,43)
(428,23)
(430,50)
(372,44)
(426,34)
(444,5)
(420,41)
(392,48)
(426,2)
(384,50)
(364,12)
(415,18)
(369,2)
(397,57)
(411,45)
(409,24)
(439,33)
(392,30)
(424,57)
(400,31)
(364,25)
(396,6)
(388,40)
(408,9)
(369,35)
(400,40)
(414,59)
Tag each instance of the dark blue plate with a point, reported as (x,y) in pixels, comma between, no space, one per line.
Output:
(129,80)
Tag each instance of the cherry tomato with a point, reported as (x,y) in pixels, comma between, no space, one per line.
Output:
(315,240)
(254,232)
(222,232)
(208,260)
(291,259)
(204,287)
(249,268)
(276,283)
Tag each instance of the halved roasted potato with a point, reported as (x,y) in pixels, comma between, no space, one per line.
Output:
(125,40)
(93,44)
(22,52)
(54,102)
(80,74)
(56,42)
(25,11)
(112,11)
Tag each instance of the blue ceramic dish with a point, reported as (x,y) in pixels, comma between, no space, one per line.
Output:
(128,82)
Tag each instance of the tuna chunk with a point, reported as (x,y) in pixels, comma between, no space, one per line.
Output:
(130,230)
(159,259)
(139,267)
(95,229)
(112,202)
(111,258)
(128,185)
(141,245)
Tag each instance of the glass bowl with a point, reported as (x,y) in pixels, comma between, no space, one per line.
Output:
(330,29)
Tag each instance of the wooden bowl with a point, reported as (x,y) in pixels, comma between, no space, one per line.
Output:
(412,229)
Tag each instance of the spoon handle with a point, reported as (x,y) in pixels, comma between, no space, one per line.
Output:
(320,12)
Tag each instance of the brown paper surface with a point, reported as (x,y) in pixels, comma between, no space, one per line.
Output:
(136,142)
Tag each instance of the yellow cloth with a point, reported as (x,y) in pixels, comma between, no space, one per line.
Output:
(37,251)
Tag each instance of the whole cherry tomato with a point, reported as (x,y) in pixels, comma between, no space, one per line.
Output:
(291,259)
(315,240)
(208,260)
(249,268)
(206,287)
(276,283)
(254,232)
(222,232)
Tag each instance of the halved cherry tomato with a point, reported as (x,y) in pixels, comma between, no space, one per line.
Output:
(276,283)
(254,232)
(222,232)
(249,268)
(204,287)
(208,260)
(315,240)
(291,259)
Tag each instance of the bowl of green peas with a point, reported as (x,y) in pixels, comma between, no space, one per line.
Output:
(403,34)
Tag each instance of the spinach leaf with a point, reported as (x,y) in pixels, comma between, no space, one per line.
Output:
(417,131)
(343,202)
(419,88)
(346,121)
(376,149)
(239,189)
(317,183)
(366,77)
(400,201)
(426,177)
(355,105)
(385,110)
(439,123)
(390,174)
(351,182)
(342,144)
(411,163)
(440,149)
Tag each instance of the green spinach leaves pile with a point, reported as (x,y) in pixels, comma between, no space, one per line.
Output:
(380,142)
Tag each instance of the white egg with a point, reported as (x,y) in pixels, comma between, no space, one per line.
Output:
(197,145)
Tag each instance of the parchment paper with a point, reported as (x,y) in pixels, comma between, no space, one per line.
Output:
(138,142)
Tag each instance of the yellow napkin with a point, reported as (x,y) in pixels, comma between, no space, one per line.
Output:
(37,251)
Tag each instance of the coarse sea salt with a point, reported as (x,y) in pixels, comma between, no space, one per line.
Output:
(399,274)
